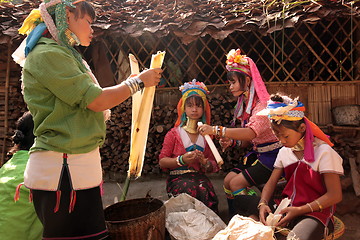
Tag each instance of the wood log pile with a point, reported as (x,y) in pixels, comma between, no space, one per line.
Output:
(347,144)
(12,105)
(115,151)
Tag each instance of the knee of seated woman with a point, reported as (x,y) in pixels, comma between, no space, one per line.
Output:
(228,178)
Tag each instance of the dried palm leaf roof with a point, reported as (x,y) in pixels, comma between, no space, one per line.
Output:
(189,19)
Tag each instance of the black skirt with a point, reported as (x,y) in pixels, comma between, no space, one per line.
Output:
(85,221)
(196,185)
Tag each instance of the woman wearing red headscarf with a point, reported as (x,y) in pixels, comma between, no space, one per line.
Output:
(185,153)
(255,168)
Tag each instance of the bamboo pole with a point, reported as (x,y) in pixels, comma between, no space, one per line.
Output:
(136,102)
(7,79)
(126,188)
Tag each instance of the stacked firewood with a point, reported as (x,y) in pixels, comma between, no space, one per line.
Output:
(347,144)
(116,150)
(12,105)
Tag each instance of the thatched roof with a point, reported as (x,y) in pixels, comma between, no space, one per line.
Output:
(189,19)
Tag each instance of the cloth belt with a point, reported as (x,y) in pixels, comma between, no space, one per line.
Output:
(179,172)
(269,148)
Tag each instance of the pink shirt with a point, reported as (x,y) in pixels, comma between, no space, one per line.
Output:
(261,126)
(173,146)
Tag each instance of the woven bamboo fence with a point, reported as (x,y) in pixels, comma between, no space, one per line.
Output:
(317,62)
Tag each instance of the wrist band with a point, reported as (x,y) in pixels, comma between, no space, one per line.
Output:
(320,207)
(308,204)
(135,84)
(223,132)
(181,160)
(260,204)
(263,200)
(178,161)
(141,83)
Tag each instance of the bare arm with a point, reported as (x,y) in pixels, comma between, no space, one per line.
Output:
(113,96)
(267,193)
(168,162)
(110,97)
(188,159)
(333,193)
(243,134)
(332,196)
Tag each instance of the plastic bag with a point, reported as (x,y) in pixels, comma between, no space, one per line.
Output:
(188,218)
(273,218)
(244,228)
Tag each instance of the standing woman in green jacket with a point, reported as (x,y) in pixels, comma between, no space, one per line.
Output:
(18,220)
(69,108)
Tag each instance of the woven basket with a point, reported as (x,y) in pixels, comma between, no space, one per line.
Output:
(339,229)
(135,219)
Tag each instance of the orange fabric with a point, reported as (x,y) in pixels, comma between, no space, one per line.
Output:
(319,133)
(178,121)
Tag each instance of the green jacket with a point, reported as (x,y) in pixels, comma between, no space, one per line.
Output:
(18,220)
(57,89)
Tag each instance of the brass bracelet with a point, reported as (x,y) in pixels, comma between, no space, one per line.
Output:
(319,205)
(260,204)
(223,132)
(308,204)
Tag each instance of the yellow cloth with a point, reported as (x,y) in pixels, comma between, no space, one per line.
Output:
(29,23)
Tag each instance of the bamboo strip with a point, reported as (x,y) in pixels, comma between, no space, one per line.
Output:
(213,148)
(141,126)
(136,102)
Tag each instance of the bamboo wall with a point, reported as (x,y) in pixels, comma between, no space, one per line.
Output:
(320,98)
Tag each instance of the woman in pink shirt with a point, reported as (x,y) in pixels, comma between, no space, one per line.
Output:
(185,153)
(255,168)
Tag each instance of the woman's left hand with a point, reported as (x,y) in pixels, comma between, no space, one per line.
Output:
(201,157)
(205,130)
(290,213)
(225,143)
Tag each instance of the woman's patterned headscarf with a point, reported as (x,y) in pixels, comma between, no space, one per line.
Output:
(243,64)
(293,110)
(40,20)
(187,90)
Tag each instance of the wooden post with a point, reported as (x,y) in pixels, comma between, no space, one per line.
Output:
(6,102)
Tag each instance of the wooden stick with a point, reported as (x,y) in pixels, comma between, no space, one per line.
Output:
(213,148)
(6,124)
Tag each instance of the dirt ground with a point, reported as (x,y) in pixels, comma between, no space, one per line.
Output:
(155,187)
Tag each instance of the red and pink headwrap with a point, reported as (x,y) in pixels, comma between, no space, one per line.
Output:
(243,64)
(188,89)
